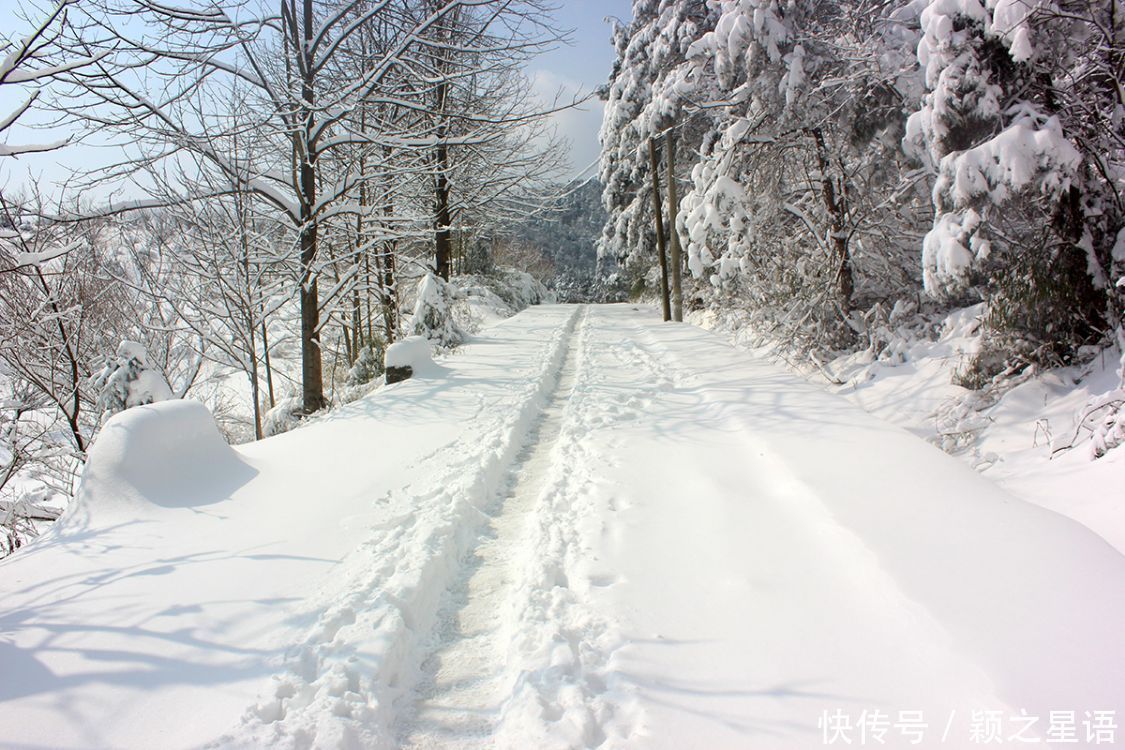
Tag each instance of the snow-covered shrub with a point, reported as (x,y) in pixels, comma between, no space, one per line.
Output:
(433,313)
(22,516)
(1110,432)
(478,259)
(127,380)
(284,416)
(483,299)
(368,365)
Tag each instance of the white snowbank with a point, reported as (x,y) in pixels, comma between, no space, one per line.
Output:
(168,454)
(752,554)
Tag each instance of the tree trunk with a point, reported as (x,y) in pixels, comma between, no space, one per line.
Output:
(673,210)
(390,295)
(838,226)
(655,171)
(442,241)
(255,388)
(266,361)
(312,378)
(255,383)
(75,399)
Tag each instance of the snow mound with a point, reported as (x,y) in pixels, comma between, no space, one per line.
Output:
(412,352)
(168,454)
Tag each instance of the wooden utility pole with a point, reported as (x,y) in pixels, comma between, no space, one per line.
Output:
(673,211)
(655,169)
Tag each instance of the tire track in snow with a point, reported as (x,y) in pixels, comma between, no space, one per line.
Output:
(467,678)
(567,690)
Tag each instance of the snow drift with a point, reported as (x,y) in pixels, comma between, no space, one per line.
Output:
(168,454)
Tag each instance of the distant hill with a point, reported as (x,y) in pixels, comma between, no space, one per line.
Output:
(566,237)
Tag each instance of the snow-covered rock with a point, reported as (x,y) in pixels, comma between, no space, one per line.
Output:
(412,351)
(408,357)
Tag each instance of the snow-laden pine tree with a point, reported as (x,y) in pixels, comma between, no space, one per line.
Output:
(650,90)
(803,205)
(127,380)
(368,364)
(433,312)
(1021,122)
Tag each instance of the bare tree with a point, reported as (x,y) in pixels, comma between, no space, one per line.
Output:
(30,59)
(192,60)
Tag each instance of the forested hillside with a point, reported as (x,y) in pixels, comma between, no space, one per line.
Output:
(562,239)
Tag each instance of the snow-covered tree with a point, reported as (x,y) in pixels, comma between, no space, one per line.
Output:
(126,380)
(802,204)
(650,90)
(1021,123)
(368,365)
(29,60)
(433,313)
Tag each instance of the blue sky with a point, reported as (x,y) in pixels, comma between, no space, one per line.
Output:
(580,67)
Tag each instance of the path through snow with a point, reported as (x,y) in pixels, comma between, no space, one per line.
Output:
(465,683)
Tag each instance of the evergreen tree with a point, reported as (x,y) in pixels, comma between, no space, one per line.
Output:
(127,380)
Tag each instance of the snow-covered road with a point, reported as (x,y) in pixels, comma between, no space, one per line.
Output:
(589,529)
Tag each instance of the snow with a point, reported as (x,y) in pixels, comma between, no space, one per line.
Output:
(22,259)
(151,455)
(595,530)
(1009,161)
(1028,439)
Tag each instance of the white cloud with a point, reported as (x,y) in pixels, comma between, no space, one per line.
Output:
(578,125)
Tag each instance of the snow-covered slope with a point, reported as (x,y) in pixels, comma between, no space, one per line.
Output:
(1030,433)
(588,529)
(1031,436)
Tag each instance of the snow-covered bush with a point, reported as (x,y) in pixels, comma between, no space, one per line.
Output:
(1110,432)
(433,313)
(283,417)
(368,365)
(21,517)
(127,380)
